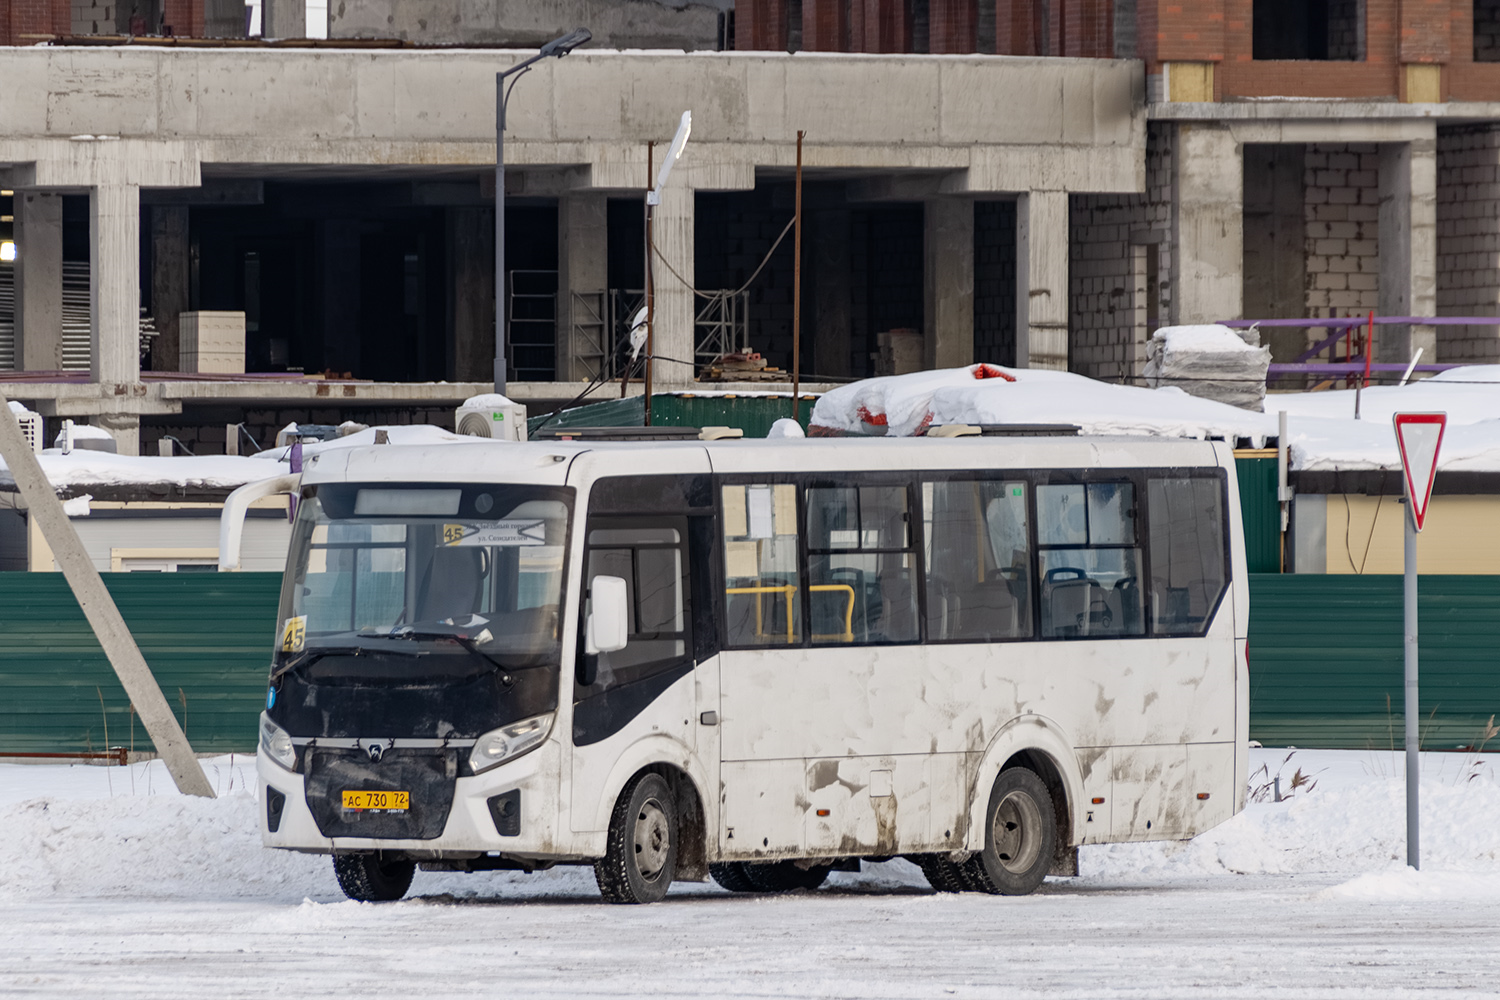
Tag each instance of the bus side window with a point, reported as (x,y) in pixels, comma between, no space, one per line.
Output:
(861,568)
(652,562)
(1090,560)
(762,592)
(1187,552)
(978,560)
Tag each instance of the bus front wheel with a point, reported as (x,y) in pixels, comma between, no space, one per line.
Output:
(640,858)
(372,879)
(1020,836)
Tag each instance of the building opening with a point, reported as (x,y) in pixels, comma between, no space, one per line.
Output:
(1487,30)
(1332,30)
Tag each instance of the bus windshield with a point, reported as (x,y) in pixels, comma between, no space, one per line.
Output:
(390,568)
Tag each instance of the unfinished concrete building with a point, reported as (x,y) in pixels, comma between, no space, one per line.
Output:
(1026,182)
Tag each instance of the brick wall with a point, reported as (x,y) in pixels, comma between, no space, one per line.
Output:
(1112,241)
(93,17)
(1468,240)
(1342,209)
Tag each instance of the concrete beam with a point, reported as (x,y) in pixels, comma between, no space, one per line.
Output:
(38,281)
(1207,219)
(1042,280)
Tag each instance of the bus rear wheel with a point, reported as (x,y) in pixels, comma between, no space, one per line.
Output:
(942,874)
(371,879)
(1020,837)
(640,859)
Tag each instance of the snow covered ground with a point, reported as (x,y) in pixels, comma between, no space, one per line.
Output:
(115,886)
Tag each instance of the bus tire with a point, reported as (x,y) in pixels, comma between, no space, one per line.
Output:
(640,857)
(1020,836)
(371,879)
(731,875)
(784,876)
(942,874)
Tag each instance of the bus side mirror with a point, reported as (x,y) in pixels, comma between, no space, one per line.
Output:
(609,621)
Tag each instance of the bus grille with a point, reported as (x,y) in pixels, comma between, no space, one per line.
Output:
(427,775)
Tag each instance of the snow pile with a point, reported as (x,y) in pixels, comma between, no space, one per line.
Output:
(1210,361)
(395,434)
(1353,819)
(785,427)
(903,405)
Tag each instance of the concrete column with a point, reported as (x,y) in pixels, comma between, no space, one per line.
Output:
(676,306)
(471,256)
(1208,244)
(38,277)
(1408,248)
(284,19)
(582,268)
(115,283)
(832,329)
(171,273)
(1042,280)
(948,280)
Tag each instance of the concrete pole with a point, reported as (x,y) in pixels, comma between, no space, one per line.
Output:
(1042,280)
(38,277)
(46,511)
(948,272)
(1413,709)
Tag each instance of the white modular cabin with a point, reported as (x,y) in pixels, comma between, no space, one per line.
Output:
(976,652)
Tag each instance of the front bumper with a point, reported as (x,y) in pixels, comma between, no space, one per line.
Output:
(470,828)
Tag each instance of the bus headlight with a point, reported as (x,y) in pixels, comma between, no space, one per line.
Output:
(508,742)
(277,744)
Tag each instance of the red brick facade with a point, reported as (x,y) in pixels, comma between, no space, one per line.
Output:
(24,22)
(1397,33)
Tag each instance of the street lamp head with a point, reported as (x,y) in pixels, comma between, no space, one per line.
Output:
(567,43)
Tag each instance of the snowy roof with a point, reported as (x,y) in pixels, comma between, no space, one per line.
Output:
(1321,429)
(89,470)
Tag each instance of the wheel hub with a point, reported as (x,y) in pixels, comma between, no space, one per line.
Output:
(652,839)
(1017,832)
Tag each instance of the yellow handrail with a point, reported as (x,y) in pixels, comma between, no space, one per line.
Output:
(848,635)
(788,590)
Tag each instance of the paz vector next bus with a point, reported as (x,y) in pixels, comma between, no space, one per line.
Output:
(756,661)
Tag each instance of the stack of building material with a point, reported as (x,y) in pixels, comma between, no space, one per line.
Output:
(211,341)
(744,366)
(1210,361)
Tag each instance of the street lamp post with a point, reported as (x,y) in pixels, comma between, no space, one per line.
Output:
(557,47)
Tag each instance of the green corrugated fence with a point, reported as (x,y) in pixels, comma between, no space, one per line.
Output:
(752,414)
(206,636)
(1260,512)
(1325,655)
(1326,660)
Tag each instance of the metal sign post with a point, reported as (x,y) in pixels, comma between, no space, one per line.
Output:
(1419,436)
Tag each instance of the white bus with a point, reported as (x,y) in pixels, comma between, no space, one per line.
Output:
(757,661)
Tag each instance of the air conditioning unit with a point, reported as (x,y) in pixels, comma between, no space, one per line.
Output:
(31,429)
(491,416)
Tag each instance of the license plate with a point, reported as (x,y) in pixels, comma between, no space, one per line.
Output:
(395,801)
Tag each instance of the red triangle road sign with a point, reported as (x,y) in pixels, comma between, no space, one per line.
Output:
(1419,436)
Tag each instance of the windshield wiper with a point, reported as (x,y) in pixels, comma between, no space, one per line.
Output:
(463,639)
(316,653)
